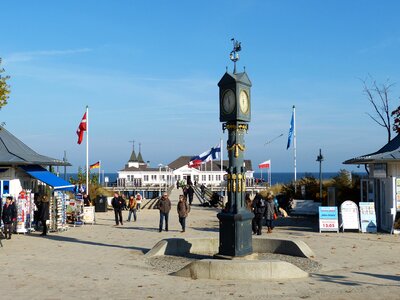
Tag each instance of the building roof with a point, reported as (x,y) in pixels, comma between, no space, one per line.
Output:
(140,168)
(139,158)
(15,152)
(216,164)
(389,152)
(133,156)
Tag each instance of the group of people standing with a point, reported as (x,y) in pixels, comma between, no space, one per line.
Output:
(263,207)
(41,214)
(163,205)
(119,204)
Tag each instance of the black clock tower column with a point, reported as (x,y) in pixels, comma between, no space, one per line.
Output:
(235,237)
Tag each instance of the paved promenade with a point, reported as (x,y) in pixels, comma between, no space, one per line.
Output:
(105,262)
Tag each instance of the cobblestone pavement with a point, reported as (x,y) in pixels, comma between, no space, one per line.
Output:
(105,262)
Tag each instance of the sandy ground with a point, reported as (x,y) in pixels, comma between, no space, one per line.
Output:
(105,262)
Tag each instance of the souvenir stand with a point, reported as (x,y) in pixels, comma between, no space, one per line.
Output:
(24,204)
(58,211)
(58,200)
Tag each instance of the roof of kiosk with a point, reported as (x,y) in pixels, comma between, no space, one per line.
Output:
(15,152)
(389,152)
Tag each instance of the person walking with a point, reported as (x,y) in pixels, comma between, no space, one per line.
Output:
(164,205)
(190,192)
(86,200)
(270,211)
(44,213)
(118,204)
(138,201)
(258,207)
(248,201)
(132,206)
(9,216)
(183,210)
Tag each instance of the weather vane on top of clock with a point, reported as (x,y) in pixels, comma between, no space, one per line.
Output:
(234,55)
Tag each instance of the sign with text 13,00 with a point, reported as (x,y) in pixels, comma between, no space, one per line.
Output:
(328,218)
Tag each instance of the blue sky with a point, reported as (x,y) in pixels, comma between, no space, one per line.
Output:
(149,71)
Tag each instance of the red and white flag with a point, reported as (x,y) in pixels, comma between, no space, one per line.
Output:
(81,128)
(265,165)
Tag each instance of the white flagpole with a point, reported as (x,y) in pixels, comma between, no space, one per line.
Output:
(269,173)
(294,148)
(99,170)
(87,149)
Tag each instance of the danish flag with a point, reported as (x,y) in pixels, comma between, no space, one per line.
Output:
(81,129)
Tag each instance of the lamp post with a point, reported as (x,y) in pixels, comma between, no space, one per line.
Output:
(320,158)
(159,177)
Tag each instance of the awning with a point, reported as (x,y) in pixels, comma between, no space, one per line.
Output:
(48,178)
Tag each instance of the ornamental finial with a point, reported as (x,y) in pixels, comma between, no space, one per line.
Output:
(234,55)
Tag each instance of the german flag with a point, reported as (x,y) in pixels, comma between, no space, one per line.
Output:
(95,165)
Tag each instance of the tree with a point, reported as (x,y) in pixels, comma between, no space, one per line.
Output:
(379,97)
(396,122)
(4,88)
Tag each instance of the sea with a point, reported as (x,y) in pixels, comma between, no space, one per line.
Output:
(276,177)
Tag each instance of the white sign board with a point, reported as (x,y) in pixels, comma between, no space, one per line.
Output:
(88,214)
(368,217)
(328,218)
(349,215)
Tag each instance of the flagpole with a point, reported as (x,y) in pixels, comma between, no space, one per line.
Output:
(87,149)
(270,174)
(294,148)
(99,170)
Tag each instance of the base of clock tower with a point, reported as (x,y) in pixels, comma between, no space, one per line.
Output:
(235,237)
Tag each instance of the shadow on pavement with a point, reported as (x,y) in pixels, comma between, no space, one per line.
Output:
(298,223)
(205,229)
(74,240)
(344,280)
(382,276)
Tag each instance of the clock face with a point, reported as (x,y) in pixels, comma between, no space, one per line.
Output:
(228,101)
(244,102)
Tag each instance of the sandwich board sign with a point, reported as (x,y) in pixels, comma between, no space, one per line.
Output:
(349,216)
(368,217)
(328,218)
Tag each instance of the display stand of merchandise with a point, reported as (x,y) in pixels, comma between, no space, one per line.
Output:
(24,212)
(58,216)
(61,213)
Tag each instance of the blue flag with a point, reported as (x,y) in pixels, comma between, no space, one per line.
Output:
(290,132)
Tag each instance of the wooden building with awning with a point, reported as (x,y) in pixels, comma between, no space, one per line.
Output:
(21,167)
(383,183)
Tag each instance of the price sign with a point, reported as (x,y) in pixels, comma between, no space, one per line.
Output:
(328,218)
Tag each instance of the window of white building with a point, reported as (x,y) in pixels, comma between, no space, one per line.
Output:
(146,178)
(153,177)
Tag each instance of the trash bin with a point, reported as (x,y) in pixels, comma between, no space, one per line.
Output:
(100,204)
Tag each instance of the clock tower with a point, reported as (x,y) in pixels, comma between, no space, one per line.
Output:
(235,237)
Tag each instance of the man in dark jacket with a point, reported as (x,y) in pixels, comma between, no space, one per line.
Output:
(258,207)
(118,204)
(164,205)
(9,216)
(44,213)
(190,192)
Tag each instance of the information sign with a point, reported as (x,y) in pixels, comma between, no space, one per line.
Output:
(368,217)
(349,215)
(328,218)
(88,214)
